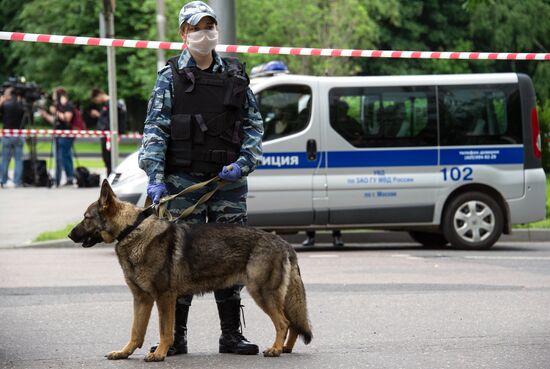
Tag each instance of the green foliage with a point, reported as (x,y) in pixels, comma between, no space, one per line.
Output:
(510,25)
(81,68)
(438,25)
(347,24)
(544,124)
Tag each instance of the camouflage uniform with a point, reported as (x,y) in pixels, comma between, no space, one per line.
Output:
(229,204)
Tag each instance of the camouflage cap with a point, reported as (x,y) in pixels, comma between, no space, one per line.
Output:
(194,11)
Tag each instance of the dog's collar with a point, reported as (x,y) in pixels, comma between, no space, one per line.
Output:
(141,217)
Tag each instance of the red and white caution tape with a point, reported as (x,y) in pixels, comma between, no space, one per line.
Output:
(63,133)
(141,44)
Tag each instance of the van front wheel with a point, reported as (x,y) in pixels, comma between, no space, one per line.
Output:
(473,221)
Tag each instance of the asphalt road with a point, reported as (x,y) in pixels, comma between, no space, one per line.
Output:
(389,306)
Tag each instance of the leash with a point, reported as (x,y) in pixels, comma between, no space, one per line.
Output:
(162,207)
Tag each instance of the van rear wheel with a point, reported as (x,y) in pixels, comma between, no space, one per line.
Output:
(429,239)
(473,221)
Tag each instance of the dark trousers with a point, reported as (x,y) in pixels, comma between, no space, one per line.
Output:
(106,155)
(64,158)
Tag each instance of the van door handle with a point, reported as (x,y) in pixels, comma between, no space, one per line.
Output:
(311,149)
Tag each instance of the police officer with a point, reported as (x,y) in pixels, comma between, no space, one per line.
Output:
(203,121)
(11,113)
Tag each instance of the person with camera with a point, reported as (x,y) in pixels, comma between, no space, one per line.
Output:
(101,100)
(11,113)
(60,115)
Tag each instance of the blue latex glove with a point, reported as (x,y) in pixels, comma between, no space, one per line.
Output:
(231,172)
(156,191)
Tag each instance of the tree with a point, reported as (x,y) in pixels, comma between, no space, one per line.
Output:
(346,24)
(509,25)
(435,25)
(80,68)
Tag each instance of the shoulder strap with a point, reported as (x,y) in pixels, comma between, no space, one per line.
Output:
(173,61)
(236,68)
(186,74)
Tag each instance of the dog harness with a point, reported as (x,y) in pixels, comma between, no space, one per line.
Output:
(140,218)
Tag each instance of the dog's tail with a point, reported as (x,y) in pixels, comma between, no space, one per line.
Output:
(295,303)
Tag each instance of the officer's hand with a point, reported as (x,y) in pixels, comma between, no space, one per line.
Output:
(231,172)
(156,191)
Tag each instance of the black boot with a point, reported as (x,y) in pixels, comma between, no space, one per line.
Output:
(310,240)
(337,239)
(231,339)
(180,332)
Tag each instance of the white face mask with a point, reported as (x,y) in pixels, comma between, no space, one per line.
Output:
(202,42)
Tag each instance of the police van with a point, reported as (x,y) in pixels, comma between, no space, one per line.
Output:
(449,158)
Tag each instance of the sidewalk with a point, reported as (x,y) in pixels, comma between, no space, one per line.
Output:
(28,211)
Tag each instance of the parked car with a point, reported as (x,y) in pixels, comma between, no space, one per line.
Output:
(449,158)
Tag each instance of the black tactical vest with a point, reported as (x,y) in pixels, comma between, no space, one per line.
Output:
(206,124)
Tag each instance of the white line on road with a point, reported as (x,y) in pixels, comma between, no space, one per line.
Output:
(324,256)
(477,257)
(496,257)
(407,256)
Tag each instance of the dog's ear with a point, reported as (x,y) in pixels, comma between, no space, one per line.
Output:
(107,196)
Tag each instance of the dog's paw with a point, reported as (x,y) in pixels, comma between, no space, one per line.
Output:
(272,352)
(117,355)
(287,350)
(150,357)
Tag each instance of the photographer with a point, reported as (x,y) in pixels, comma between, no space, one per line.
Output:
(11,113)
(60,116)
(101,99)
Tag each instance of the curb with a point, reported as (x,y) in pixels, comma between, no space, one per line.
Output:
(519,235)
(325,237)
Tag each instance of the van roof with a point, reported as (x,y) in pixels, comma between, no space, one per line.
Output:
(428,79)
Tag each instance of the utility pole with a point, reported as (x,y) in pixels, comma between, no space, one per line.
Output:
(225,10)
(109,32)
(161,28)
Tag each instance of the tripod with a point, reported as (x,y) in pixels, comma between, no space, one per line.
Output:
(34,174)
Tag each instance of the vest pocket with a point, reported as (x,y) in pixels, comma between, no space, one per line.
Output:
(181,127)
(179,156)
(235,88)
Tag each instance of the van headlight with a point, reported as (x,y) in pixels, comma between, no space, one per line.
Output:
(121,178)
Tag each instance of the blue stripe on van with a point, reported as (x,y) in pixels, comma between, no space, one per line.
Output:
(382,158)
(395,158)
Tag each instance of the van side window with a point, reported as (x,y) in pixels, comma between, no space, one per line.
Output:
(286,109)
(480,115)
(385,117)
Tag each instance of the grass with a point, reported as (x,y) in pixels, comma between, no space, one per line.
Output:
(90,163)
(45,147)
(54,235)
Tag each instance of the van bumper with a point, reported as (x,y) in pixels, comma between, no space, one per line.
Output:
(532,206)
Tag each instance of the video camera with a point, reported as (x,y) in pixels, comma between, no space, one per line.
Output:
(28,91)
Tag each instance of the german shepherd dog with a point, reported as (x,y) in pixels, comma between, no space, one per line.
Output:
(162,260)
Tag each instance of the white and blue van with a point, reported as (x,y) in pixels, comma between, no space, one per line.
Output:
(449,158)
